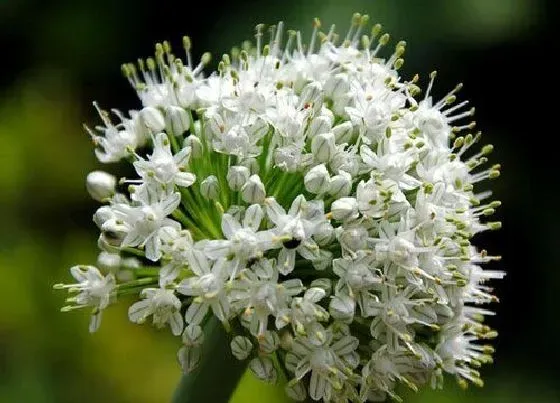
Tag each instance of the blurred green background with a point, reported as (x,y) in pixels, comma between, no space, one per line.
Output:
(58,56)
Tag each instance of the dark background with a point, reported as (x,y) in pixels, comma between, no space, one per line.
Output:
(59,56)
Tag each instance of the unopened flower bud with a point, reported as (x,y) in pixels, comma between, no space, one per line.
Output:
(252,164)
(286,340)
(210,188)
(345,209)
(237,176)
(177,120)
(343,132)
(195,144)
(296,391)
(323,147)
(103,214)
(311,96)
(320,124)
(101,185)
(253,190)
(354,238)
(337,86)
(324,283)
(342,307)
(108,244)
(263,368)
(153,119)
(324,233)
(109,261)
(317,180)
(258,128)
(241,347)
(341,184)
(130,263)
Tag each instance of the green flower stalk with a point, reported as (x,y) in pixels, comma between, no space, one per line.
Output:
(304,207)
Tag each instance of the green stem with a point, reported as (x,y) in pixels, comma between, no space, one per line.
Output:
(138,283)
(146,272)
(174,145)
(217,376)
(134,251)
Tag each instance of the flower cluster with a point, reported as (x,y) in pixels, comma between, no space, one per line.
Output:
(309,198)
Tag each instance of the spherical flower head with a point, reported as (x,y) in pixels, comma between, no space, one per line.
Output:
(312,201)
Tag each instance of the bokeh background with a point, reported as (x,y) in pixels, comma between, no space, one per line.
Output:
(58,56)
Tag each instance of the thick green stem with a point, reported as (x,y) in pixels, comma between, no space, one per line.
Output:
(217,376)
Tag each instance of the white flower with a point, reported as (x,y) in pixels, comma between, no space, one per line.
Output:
(93,289)
(395,311)
(162,305)
(250,96)
(432,124)
(243,241)
(207,286)
(324,355)
(258,294)
(285,116)
(392,165)
(291,157)
(117,140)
(358,279)
(383,371)
(353,237)
(112,221)
(458,349)
(175,245)
(163,166)
(214,90)
(300,222)
(311,96)
(295,229)
(380,198)
(436,167)
(234,135)
(347,160)
(175,87)
(337,88)
(304,311)
(146,220)
(374,105)
(396,244)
